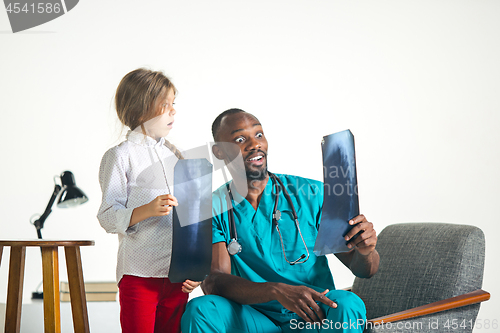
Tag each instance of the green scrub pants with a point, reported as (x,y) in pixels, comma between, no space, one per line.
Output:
(217,314)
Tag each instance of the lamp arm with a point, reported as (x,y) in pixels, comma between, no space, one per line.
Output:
(41,220)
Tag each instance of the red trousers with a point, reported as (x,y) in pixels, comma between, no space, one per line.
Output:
(150,305)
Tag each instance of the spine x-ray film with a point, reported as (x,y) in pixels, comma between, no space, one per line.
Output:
(192,221)
(340,200)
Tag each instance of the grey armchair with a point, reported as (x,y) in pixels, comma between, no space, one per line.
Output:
(429,279)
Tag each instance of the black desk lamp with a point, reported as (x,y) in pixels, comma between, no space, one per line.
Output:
(71,196)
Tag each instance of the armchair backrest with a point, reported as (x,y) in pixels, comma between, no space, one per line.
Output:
(422,263)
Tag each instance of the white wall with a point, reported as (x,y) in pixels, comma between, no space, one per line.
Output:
(417,82)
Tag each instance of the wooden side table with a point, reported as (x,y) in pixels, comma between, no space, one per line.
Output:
(50,264)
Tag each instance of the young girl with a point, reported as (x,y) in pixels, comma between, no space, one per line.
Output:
(136,179)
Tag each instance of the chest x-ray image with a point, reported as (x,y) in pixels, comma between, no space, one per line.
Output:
(192,222)
(340,201)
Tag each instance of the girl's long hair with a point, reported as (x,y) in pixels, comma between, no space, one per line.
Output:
(137,96)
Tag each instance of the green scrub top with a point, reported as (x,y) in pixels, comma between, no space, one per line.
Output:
(261,258)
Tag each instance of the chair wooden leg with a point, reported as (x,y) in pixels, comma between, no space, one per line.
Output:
(77,289)
(51,303)
(15,289)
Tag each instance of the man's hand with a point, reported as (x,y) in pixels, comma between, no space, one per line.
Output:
(363,259)
(302,300)
(366,241)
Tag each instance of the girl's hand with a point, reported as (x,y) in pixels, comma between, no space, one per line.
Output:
(188,286)
(162,205)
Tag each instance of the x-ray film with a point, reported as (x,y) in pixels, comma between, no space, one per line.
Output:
(340,201)
(192,221)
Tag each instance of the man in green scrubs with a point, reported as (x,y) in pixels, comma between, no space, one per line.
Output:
(275,284)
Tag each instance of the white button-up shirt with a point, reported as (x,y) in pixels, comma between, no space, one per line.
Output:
(132,174)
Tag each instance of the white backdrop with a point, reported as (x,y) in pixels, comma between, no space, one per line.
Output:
(417,83)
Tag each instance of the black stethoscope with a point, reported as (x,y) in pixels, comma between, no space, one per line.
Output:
(234,247)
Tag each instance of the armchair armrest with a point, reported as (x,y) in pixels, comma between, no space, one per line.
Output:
(476,296)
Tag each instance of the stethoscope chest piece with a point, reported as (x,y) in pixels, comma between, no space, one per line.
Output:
(233,247)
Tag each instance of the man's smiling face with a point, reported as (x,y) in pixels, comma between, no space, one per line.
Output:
(245,132)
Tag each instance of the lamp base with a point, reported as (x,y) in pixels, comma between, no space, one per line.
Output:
(37,295)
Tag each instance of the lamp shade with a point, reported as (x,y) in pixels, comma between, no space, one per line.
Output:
(71,195)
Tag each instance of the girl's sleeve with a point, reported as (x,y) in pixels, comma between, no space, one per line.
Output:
(113,215)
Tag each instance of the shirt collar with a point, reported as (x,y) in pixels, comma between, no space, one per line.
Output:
(144,140)
(267,192)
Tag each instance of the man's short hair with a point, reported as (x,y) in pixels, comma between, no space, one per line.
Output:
(218,120)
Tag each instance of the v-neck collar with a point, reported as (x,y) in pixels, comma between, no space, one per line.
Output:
(265,206)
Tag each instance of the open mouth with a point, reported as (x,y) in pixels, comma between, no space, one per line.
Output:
(256,159)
